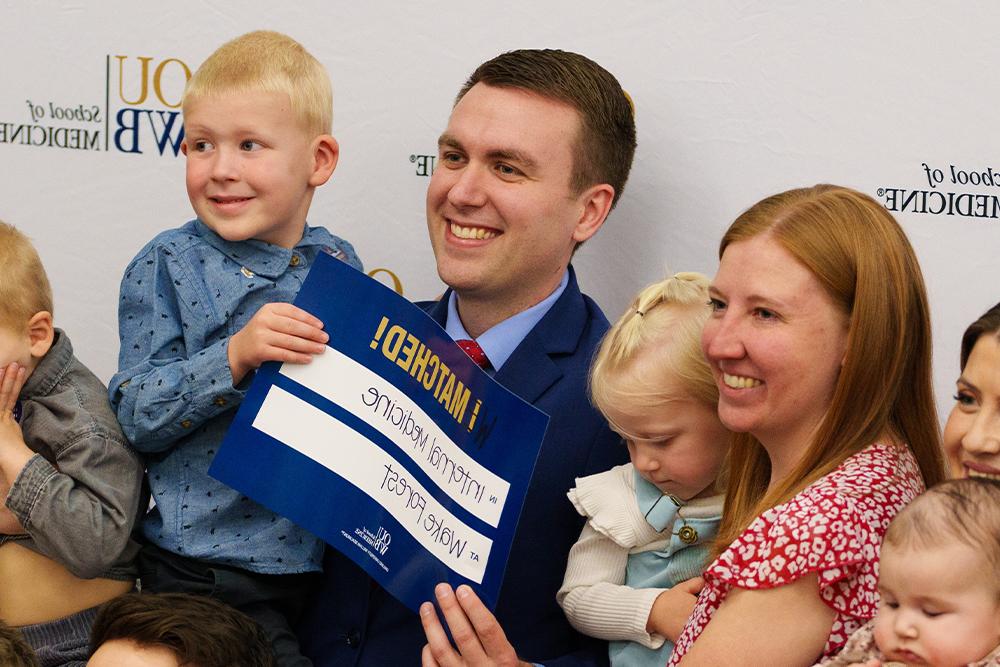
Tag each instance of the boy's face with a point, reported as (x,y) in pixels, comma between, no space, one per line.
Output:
(14,346)
(251,168)
(939,606)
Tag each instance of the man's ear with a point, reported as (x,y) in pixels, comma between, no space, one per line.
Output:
(41,334)
(326,152)
(596,204)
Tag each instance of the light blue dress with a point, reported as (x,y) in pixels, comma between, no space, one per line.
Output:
(684,556)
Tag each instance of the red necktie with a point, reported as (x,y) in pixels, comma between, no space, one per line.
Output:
(475,352)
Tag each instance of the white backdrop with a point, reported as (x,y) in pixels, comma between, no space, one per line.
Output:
(735,100)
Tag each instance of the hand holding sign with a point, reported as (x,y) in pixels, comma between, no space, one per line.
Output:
(276,332)
(479,639)
(392,446)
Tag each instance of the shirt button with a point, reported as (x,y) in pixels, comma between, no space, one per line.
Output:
(295,260)
(219,401)
(688,535)
(186,423)
(353,638)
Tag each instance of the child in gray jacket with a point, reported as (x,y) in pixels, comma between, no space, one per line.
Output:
(70,481)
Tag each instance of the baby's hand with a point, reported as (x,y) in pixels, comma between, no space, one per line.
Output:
(276,332)
(874,662)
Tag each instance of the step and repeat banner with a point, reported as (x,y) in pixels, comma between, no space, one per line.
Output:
(734,101)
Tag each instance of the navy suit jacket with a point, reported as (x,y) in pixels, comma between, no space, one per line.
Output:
(353,621)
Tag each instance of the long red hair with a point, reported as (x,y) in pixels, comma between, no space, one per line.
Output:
(861,256)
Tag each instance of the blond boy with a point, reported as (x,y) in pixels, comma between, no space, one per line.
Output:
(202,306)
(70,480)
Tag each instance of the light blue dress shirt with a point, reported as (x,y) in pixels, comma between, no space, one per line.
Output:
(500,340)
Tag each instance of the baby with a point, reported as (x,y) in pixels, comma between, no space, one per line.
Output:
(939,583)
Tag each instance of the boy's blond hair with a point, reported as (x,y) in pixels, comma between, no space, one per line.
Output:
(24,287)
(267,61)
(666,319)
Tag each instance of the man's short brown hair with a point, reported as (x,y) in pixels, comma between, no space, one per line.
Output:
(604,150)
(199,630)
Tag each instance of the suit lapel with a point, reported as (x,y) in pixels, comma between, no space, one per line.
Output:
(438,309)
(531,369)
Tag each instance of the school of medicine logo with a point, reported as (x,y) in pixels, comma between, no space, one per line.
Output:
(137,113)
(940,192)
(378,540)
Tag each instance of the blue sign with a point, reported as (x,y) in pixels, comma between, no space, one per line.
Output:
(392,445)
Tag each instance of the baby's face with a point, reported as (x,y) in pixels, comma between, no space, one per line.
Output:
(939,606)
(678,446)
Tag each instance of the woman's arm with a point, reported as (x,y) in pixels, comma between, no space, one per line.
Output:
(787,625)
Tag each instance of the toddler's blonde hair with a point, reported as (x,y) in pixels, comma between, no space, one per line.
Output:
(24,287)
(267,61)
(665,320)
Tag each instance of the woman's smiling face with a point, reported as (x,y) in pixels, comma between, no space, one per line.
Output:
(972,433)
(776,342)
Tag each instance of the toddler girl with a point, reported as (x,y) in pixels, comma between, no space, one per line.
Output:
(650,522)
(939,583)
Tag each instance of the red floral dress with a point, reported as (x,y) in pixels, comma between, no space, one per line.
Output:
(834,527)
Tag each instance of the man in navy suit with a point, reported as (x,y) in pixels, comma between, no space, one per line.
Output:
(535,155)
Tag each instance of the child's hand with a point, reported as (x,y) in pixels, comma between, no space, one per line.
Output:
(276,332)
(13,452)
(672,607)
(874,662)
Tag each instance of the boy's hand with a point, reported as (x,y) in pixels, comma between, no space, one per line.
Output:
(672,607)
(13,452)
(276,332)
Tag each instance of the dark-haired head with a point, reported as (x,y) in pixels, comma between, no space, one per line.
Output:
(606,145)
(198,630)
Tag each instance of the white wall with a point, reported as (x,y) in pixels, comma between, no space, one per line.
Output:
(735,100)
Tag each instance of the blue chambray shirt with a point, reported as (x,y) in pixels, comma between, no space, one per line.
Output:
(182,297)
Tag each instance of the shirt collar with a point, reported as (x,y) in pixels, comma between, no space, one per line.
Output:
(262,258)
(660,509)
(500,340)
(50,368)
